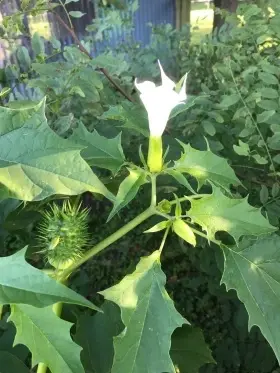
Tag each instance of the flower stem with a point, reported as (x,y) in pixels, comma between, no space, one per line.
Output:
(164,238)
(42,368)
(108,241)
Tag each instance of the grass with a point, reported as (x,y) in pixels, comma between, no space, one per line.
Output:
(201,20)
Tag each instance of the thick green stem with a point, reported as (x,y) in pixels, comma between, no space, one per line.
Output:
(155,154)
(154,190)
(1,312)
(42,368)
(108,241)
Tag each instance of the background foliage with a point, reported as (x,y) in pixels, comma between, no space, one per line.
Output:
(233,102)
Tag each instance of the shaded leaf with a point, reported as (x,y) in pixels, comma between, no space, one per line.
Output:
(253,271)
(99,151)
(268,78)
(95,335)
(189,351)
(36,163)
(206,166)
(50,341)
(149,316)
(22,283)
(37,44)
(131,116)
(11,364)
(128,189)
(217,212)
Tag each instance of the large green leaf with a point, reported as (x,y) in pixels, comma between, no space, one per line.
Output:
(47,337)
(22,283)
(11,364)
(95,335)
(189,351)
(128,190)
(99,151)
(206,166)
(36,163)
(217,212)
(253,270)
(149,316)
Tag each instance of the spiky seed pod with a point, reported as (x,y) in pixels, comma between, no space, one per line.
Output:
(63,234)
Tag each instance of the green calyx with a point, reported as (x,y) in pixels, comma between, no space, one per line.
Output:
(155,154)
(63,234)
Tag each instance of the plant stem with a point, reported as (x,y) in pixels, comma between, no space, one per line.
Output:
(205,236)
(108,241)
(42,368)
(1,312)
(187,198)
(164,238)
(154,190)
(83,49)
(65,10)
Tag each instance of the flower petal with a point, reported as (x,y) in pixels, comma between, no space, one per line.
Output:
(145,87)
(166,82)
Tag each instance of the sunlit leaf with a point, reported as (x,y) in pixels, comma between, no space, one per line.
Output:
(149,317)
(253,270)
(217,212)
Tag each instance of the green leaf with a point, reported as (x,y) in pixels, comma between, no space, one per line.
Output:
(180,179)
(11,364)
(189,351)
(35,163)
(149,316)
(115,65)
(228,101)
(131,116)
(37,44)
(99,151)
(270,105)
(158,227)
(22,283)
(128,189)
(268,78)
(23,58)
(253,271)
(264,116)
(76,14)
(242,149)
(217,212)
(95,335)
(206,166)
(47,337)
(183,230)
(269,92)
(264,194)
(71,1)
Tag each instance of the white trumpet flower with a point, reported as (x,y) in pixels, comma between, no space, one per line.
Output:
(159,102)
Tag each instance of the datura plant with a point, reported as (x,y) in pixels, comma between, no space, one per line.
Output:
(137,329)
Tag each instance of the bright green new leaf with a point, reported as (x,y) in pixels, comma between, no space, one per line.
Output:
(149,316)
(206,166)
(95,335)
(47,337)
(217,212)
(158,227)
(254,272)
(22,283)
(35,163)
(184,231)
(11,364)
(128,190)
(99,151)
(189,351)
